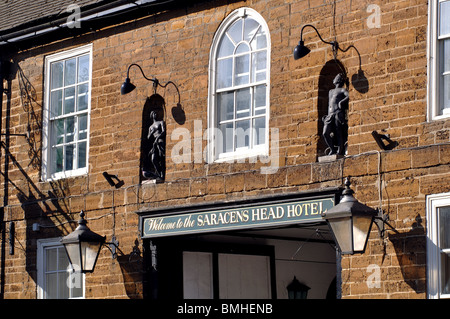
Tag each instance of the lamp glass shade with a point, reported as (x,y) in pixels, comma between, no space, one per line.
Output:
(127,87)
(89,255)
(301,50)
(83,255)
(73,252)
(361,229)
(342,230)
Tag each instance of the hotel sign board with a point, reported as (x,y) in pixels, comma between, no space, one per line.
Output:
(245,217)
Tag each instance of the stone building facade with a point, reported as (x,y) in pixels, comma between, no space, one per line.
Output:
(393,76)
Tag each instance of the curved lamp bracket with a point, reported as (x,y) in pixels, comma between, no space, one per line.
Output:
(301,50)
(127,86)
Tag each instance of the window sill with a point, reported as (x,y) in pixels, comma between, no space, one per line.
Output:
(64,175)
(251,156)
(444,116)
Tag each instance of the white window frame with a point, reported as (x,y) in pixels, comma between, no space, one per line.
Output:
(42,246)
(433,65)
(259,150)
(47,174)
(433,251)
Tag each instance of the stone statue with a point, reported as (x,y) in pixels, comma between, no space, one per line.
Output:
(335,123)
(157,153)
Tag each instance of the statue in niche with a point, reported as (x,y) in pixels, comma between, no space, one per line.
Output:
(335,123)
(157,146)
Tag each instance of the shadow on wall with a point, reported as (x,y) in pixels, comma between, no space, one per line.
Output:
(131,266)
(36,205)
(410,249)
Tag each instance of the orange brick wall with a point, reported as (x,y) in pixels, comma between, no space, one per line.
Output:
(174,46)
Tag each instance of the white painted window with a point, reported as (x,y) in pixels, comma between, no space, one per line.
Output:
(239,87)
(55,276)
(244,277)
(197,275)
(438,245)
(66,113)
(439,59)
(238,276)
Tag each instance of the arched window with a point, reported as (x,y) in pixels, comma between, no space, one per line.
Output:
(239,87)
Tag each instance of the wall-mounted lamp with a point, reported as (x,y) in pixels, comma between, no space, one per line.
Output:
(127,86)
(297,290)
(301,50)
(83,246)
(359,80)
(109,178)
(351,221)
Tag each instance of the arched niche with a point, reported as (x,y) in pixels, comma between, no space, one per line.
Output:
(152,161)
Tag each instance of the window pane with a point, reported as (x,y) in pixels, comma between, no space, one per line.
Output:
(58,158)
(51,261)
(70,129)
(445,273)
(82,127)
(224,71)
(76,285)
(83,68)
(225,105)
(243,103)
(63,260)
(226,47)
(83,97)
(444,245)
(56,70)
(243,134)
(56,103)
(260,100)
(63,289)
(444,14)
(259,127)
(69,100)
(235,31)
(51,284)
(445,55)
(82,155)
(58,129)
(259,63)
(244,276)
(70,71)
(197,275)
(259,41)
(227,138)
(445,94)
(444,227)
(242,69)
(242,48)
(69,157)
(250,28)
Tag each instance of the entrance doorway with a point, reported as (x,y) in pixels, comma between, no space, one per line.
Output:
(247,264)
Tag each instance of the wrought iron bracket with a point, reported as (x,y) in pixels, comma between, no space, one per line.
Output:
(381,220)
(113,246)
